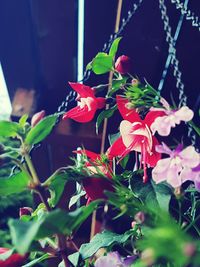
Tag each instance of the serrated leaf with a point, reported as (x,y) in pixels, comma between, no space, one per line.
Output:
(114,47)
(102,63)
(24,233)
(105,114)
(40,259)
(41,130)
(23,120)
(9,129)
(14,184)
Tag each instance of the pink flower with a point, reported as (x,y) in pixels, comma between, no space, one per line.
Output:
(15,260)
(123,64)
(164,124)
(177,168)
(95,186)
(136,135)
(113,259)
(88,104)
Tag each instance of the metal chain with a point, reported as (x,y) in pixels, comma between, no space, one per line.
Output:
(189,15)
(72,95)
(175,64)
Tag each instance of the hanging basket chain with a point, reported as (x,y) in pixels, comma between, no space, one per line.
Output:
(175,64)
(189,15)
(125,21)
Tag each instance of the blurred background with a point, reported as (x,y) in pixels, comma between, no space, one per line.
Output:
(46,43)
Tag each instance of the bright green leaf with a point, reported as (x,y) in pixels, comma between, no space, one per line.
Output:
(9,129)
(23,120)
(105,114)
(14,184)
(102,63)
(40,259)
(114,47)
(74,259)
(74,199)
(41,130)
(116,85)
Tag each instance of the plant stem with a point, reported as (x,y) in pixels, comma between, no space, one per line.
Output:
(32,169)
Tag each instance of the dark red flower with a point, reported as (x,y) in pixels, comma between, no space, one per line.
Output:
(136,136)
(95,186)
(88,104)
(123,64)
(15,260)
(25,211)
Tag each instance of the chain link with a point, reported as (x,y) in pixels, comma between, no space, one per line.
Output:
(72,95)
(175,64)
(189,15)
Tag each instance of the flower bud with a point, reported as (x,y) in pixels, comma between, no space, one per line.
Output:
(139,217)
(189,249)
(123,64)
(133,224)
(25,211)
(37,117)
(134,82)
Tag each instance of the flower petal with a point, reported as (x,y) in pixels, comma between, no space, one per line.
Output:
(117,148)
(152,115)
(190,157)
(80,114)
(127,114)
(184,114)
(82,90)
(153,157)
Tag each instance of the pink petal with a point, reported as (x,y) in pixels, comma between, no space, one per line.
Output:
(173,178)
(82,90)
(187,175)
(184,114)
(163,149)
(127,114)
(161,125)
(190,157)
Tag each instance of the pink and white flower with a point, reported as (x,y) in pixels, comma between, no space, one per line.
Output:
(178,167)
(171,118)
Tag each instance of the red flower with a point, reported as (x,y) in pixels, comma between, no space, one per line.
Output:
(88,104)
(15,260)
(95,186)
(123,64)
(136,136)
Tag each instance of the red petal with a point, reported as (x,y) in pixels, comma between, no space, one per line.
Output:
(82,90)
(80,114)
(127,114)
(151,116)
(116,149)
(155,156)
(89,154)
(101,102)
(95,187)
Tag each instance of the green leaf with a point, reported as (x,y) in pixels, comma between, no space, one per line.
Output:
(14,184)
(57,187)
(74,259)
(54,222)
(117,84)
(114,47)
(197,129)
(124,161)
(23,120)
(9,129)
(154,196)
(103,240)
(105,114)
(40,259)
(113,137)
(41,130)
(4,256)
(101,64)
(74,199)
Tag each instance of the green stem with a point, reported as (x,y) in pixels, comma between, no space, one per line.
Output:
(32,169)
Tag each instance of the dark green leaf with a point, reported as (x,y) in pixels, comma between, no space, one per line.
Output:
(14,184)
(41,130)
(9,129)
(105,114)
(197,129)
(113,137)
(40,259)
(114,47)
(124,161)
(116,85)
(57,221)
(102,63)
(103,240)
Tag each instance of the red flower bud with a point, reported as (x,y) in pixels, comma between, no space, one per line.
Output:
(15,260)
(139,217)
(37,117)
(123,64)
(25,211)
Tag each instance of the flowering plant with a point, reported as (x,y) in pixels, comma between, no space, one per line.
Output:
(145,183)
